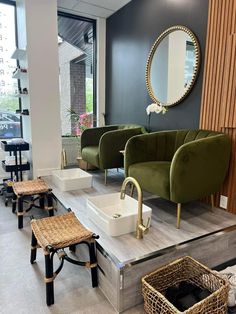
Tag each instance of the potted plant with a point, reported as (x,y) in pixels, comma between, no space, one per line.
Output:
(71,143)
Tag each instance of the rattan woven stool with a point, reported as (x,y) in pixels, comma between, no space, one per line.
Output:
(36,190)
(53,235)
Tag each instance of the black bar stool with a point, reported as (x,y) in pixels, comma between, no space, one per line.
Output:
(53,235)
(29,192)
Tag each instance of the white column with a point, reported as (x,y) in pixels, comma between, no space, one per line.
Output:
(44,134)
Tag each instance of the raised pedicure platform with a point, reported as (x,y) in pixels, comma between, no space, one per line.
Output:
(207,235)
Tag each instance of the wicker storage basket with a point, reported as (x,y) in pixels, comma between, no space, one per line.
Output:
(155,284)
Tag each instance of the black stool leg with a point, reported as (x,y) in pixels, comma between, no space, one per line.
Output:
(50,204)
(41,200)
(33,248)
(14,200)
(49,279)
(72,248)
(20,212)
(93,260)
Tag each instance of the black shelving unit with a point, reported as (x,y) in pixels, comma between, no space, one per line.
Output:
(15,149)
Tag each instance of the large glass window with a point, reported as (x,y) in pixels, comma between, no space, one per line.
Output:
(10,123)
(76,45)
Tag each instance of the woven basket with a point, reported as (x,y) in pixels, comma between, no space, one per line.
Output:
(155,284)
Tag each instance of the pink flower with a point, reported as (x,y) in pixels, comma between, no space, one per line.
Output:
(84,115)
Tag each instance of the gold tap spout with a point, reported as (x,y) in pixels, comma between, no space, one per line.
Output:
(140,228)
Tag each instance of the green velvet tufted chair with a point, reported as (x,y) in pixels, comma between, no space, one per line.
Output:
(179,166)
(101,146)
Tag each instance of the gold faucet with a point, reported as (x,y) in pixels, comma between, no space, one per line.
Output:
(140,228)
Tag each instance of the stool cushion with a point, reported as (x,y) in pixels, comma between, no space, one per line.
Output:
(59,231)
(30,187)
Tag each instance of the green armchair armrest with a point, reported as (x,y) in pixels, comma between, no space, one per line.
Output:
(110,145)
(198,168)
(91,136)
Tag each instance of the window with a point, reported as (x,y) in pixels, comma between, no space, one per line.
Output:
(10,123)
(77,49)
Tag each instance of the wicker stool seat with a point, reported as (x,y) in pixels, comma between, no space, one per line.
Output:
(37,190)
(59,231)
(30,187)
(53,235)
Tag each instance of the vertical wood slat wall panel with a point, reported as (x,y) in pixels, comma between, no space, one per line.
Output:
(218,108)
(227,112)
(234,18)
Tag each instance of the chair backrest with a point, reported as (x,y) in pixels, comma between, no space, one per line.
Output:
(131,126)
(170,141)
(186,136)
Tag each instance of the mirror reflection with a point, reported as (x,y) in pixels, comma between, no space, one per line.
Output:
(172,66)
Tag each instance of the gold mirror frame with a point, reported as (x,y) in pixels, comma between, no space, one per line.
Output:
(150,58)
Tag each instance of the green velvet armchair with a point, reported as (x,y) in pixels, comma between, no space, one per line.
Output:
(179,166)
(101,146)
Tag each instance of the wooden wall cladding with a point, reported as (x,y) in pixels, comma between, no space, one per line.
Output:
(218,108)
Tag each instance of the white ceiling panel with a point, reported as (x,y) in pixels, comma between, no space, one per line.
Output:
(96,8)
(113,5)
(92,9)
(67,4)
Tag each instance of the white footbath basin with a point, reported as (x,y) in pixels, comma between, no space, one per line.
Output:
(71,179)
(115,216)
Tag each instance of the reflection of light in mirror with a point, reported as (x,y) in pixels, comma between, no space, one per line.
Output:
(189,62)
(173,67)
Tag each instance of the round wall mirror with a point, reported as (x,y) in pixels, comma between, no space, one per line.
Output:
(172,65)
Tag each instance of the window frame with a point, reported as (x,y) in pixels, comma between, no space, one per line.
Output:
(94,23)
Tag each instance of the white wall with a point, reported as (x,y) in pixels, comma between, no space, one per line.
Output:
(43,74)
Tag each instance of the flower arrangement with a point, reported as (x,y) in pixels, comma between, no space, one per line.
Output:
(84,123)
(157,108)
(81,121)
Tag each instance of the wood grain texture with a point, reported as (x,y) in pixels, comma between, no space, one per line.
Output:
(218,108)
(196,220)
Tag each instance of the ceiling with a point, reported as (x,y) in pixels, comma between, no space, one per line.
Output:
(93,8)
(74,31)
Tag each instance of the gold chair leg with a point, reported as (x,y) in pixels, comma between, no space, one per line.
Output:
(212,201)
(105,176)
(63,159)
(178,215)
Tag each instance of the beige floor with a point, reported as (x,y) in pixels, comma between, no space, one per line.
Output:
(22,289)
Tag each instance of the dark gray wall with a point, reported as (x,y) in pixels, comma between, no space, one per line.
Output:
(130,34)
